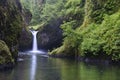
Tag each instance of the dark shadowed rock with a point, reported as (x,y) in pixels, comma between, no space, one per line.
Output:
(11,22)
(25,41)
(50,36)
(5,55)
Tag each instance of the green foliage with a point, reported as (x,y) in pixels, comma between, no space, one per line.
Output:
(35,7)
(69,32)
(90,41)
(73,10)
(100,36)
(51,11)
(101,41)
(112,36)
(104,7)
(71,41)
(88,8)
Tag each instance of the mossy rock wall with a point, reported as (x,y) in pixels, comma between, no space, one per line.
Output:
(11,23)
(5,54)
(25,40)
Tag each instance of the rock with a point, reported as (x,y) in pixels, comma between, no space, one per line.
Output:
(11,23)
(25,41)
(27,16)
(5,54)
(50,36)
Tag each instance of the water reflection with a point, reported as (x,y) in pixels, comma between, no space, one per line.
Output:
(38,67)
(83,71)
(33,67)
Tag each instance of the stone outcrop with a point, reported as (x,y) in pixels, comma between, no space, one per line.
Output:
(50,36)
(5,54)
(25,41)
(11,23)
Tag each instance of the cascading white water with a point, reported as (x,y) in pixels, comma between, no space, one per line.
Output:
(35,47)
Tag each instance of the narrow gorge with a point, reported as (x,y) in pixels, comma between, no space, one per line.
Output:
(59,39)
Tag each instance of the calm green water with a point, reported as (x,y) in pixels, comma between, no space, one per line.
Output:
(40,67)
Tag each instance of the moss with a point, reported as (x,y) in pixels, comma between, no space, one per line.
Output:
(5,55)
(64,51)
(88,8)
(11,23)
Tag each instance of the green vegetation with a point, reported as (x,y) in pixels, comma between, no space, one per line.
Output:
(104,7)
(102,40)
(97,37)
(35,7)
(90,27)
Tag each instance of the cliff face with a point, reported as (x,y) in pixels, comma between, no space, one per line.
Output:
(50,36)
(11,23)
(25,40)
(5,54)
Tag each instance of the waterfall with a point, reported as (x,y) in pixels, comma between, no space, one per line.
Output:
(35,44)
(35,47)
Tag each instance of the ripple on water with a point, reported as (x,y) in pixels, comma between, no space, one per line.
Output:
(40,53)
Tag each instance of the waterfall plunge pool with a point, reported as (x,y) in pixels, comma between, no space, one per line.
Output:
(36,65)
(40,67)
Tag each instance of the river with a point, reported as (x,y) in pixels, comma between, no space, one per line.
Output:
(42,67)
